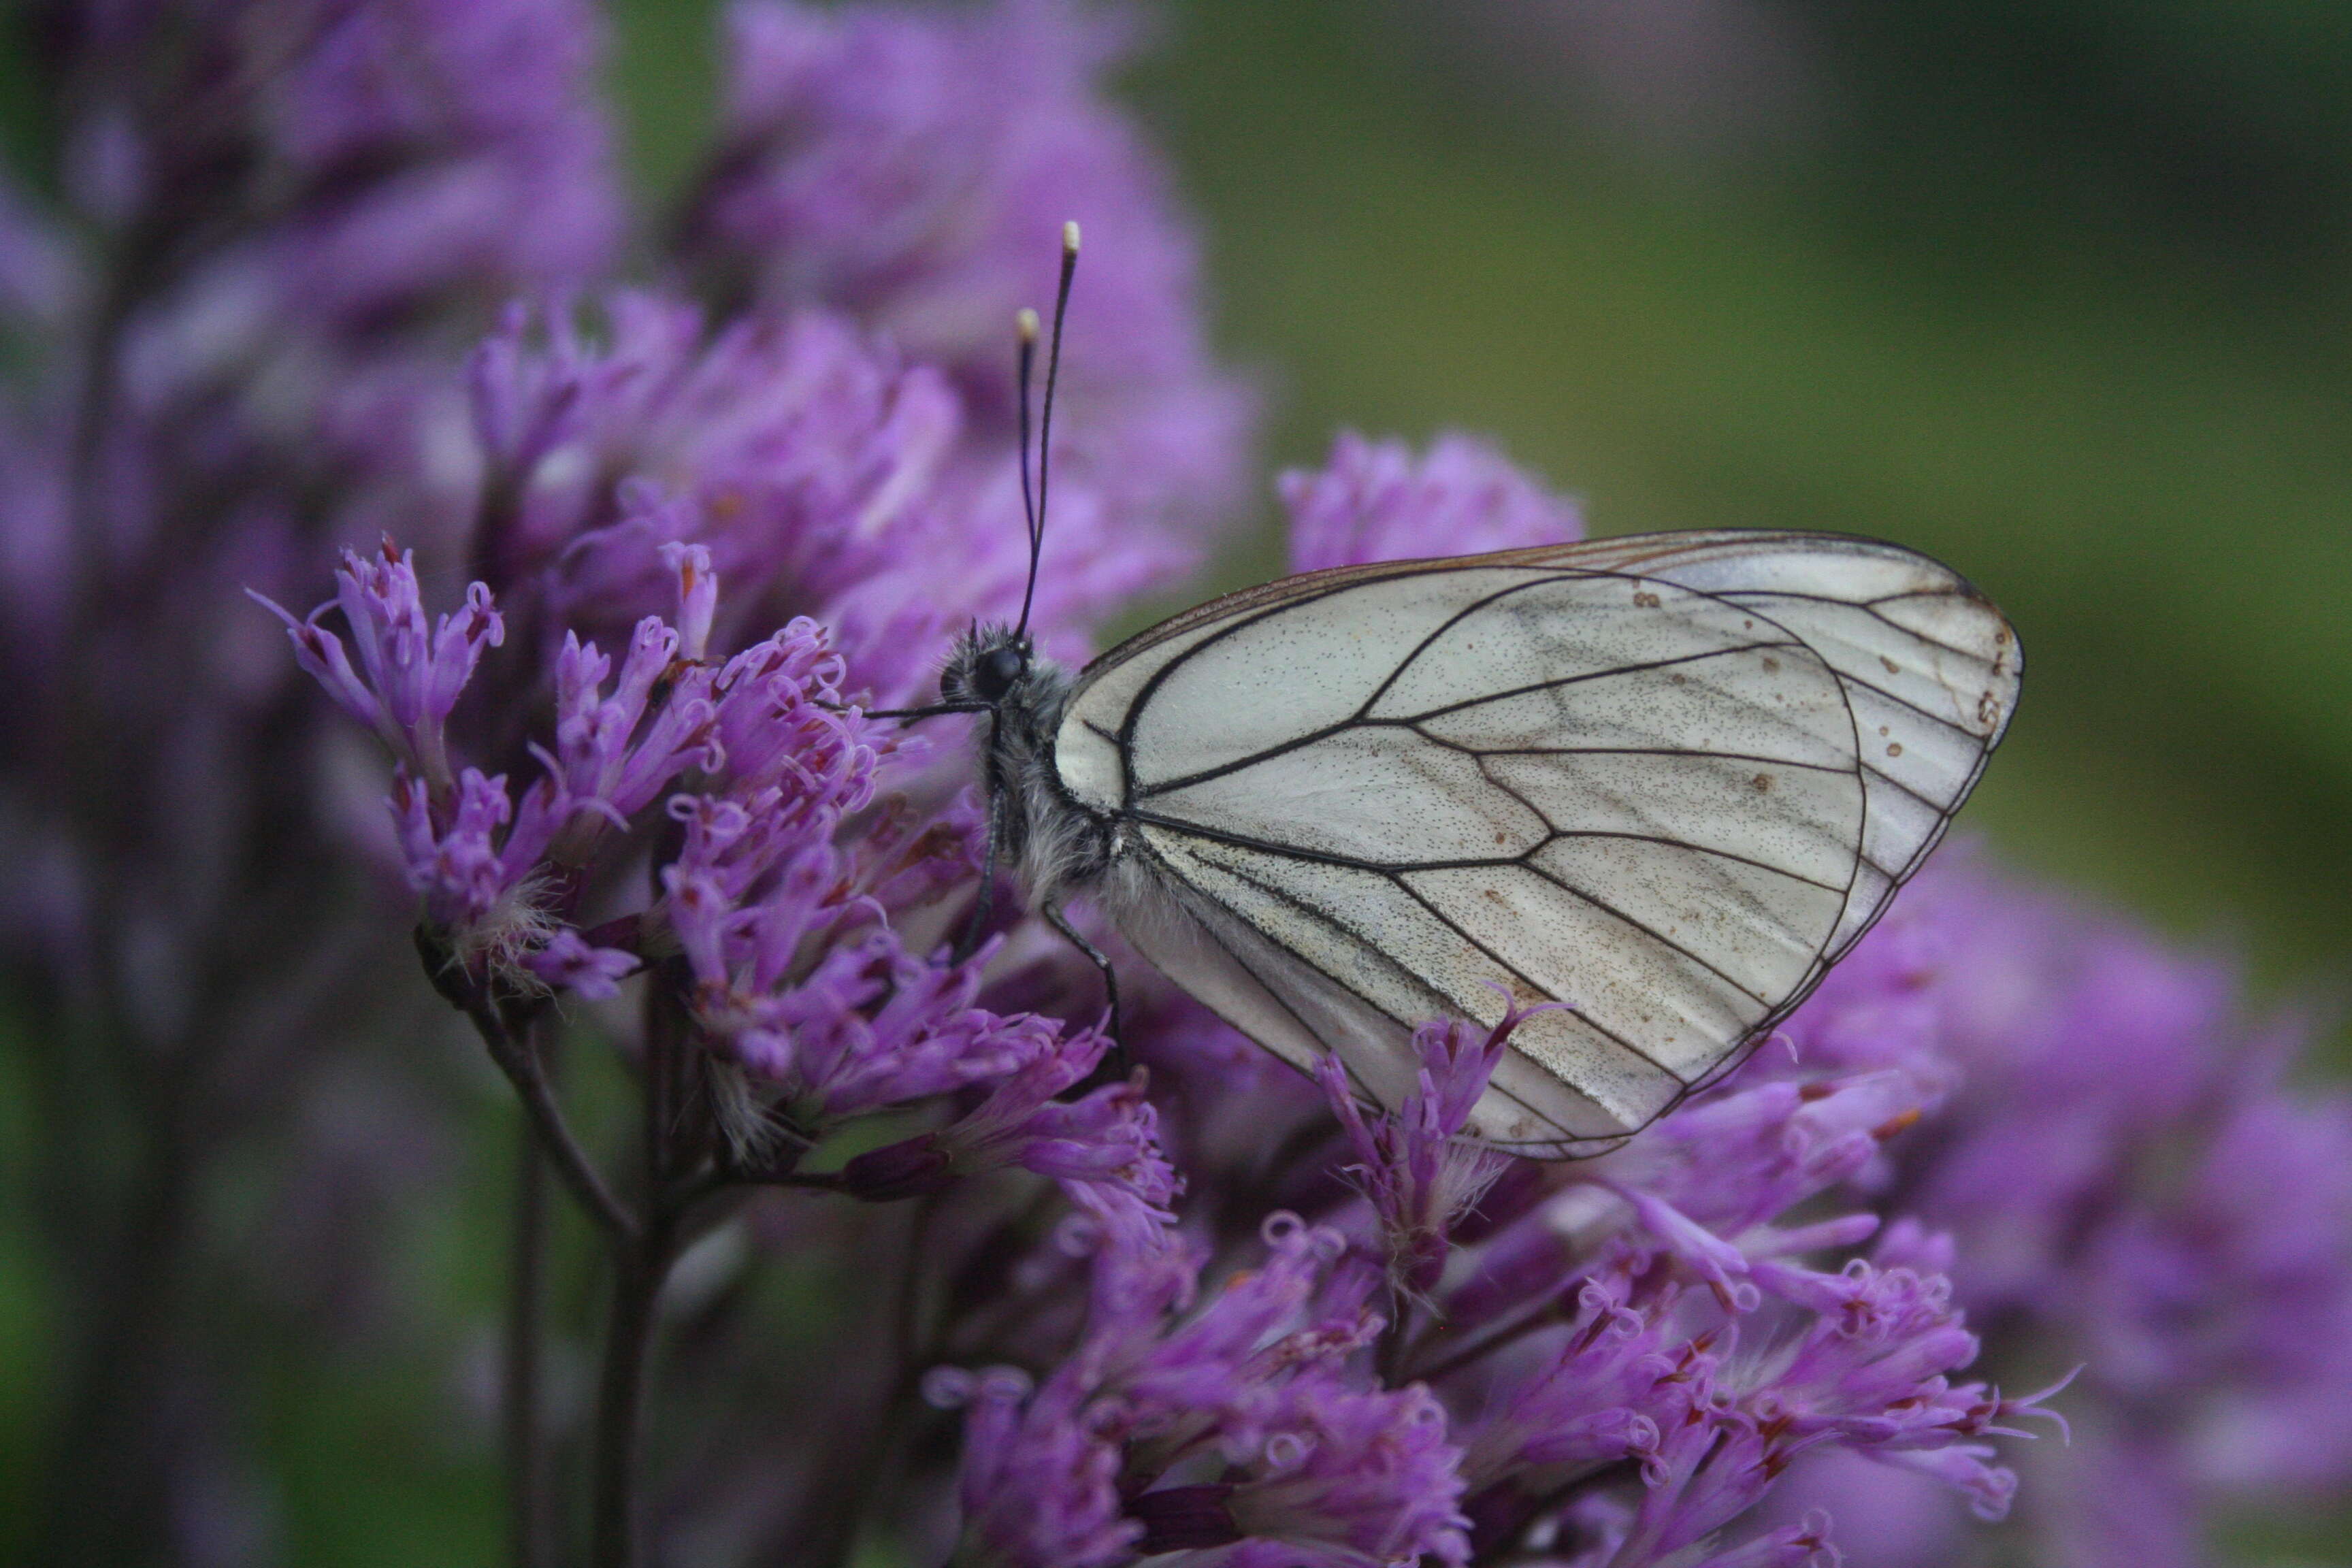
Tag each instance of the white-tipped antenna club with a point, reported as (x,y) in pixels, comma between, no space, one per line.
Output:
(1026,323)
(1025,327)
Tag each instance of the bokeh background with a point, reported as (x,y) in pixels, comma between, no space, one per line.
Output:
(2060,292)
(2056,291)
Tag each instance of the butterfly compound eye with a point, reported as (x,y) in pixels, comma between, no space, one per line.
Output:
(996,672)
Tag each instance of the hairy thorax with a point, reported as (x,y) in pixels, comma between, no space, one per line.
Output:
(1059,846)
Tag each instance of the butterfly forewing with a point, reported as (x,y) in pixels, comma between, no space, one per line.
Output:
(1652,779)
(1930,668)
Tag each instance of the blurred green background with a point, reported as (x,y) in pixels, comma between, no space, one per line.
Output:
(2060,292)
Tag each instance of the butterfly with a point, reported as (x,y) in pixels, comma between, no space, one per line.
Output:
(1666,779)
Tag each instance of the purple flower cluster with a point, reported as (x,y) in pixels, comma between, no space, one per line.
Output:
(1375,500)
(1611,1363)
(914,167)
(2132,1182)
(777,924)
(1247,1388)
(824,472)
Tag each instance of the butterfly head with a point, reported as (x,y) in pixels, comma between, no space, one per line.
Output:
(991,666)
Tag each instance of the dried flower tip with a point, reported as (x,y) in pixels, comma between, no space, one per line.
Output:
(1024,322)
(1070,237)
(1895,1123)
(698,596)
(752,1134)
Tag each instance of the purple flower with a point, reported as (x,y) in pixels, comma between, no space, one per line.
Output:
(1417,1171)
(1737,1159)
(797,974)
(1563,1325)
(1350,1478)
(1102,1148)
(611,760)
(1649,1373)
(1797,1545)
(1875,1378)
(567,963)
(492,876)
(1259,1379)
(793,449)
(458,858)
(1373,500)
(1039,1483)
(1618,1382)
(517,137)
(409,674)
(1192,1371)
(1108,1139)
(820,472)
(914,168)
(2107,1145)
(861,1023)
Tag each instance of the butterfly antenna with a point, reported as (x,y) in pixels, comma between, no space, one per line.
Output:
(1045,421)
(1025,324)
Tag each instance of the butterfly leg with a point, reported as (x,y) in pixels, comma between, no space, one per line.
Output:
(1060,922)
(929,710)
(976,925)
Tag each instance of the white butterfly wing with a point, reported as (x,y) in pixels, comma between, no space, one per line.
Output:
(1381,794)
(1930,668)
